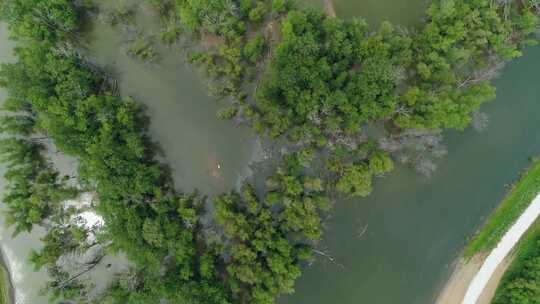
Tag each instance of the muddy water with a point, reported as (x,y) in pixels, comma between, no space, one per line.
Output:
(205,153)
(400,244)
(399,12)
(25,281)
(397,246)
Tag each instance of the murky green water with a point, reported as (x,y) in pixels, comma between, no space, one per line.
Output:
(26,282)
(399,12)
(204,152)
(406,13)
(414,227)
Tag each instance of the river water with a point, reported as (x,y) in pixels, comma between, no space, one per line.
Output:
(397,246)
(25,281)
(204,152)
(401,244)
(399,12)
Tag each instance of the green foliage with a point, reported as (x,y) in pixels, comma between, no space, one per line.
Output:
(257,14)
(17,125)
(326,80)
(280,6)
(172,31)
(5,297)
(122,13)
(227,113)
(70,102)
(329,75)
(456,54)
(42,20)
(232,32)
(263,261)
(143,49)
(355,177)
(213,16)
(254,49)
(34,188)
(521,282)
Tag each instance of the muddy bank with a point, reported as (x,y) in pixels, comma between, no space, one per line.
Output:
(475,281)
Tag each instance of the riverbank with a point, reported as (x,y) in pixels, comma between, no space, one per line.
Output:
(521,279)
(475,279)
(519,197)
(455,289)
(6,288)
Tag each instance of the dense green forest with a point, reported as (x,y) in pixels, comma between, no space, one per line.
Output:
(521,282)
(319,81)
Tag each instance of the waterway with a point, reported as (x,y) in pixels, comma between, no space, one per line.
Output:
(402,13)
(204,152)
(401,243)
(25,281)
(398,245)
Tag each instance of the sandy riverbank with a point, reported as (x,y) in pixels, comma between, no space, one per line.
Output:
(476,281)
(458,284)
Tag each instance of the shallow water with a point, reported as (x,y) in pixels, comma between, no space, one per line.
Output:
(398,245)
(399,12)
(416,227)
(204,153)
(25,281)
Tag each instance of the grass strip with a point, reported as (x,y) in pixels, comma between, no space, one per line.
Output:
(514,204)
(4,286)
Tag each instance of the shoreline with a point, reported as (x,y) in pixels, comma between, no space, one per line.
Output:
(475,280)
(454,290)
(6,273)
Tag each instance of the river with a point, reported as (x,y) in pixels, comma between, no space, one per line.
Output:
(25,281)
(403,13)
(204,152)
(414,227)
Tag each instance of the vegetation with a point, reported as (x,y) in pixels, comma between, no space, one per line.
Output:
(521,282)
(72,103)
(263,261)
(142,49)
(5,297)
(514,204)
(326,80)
